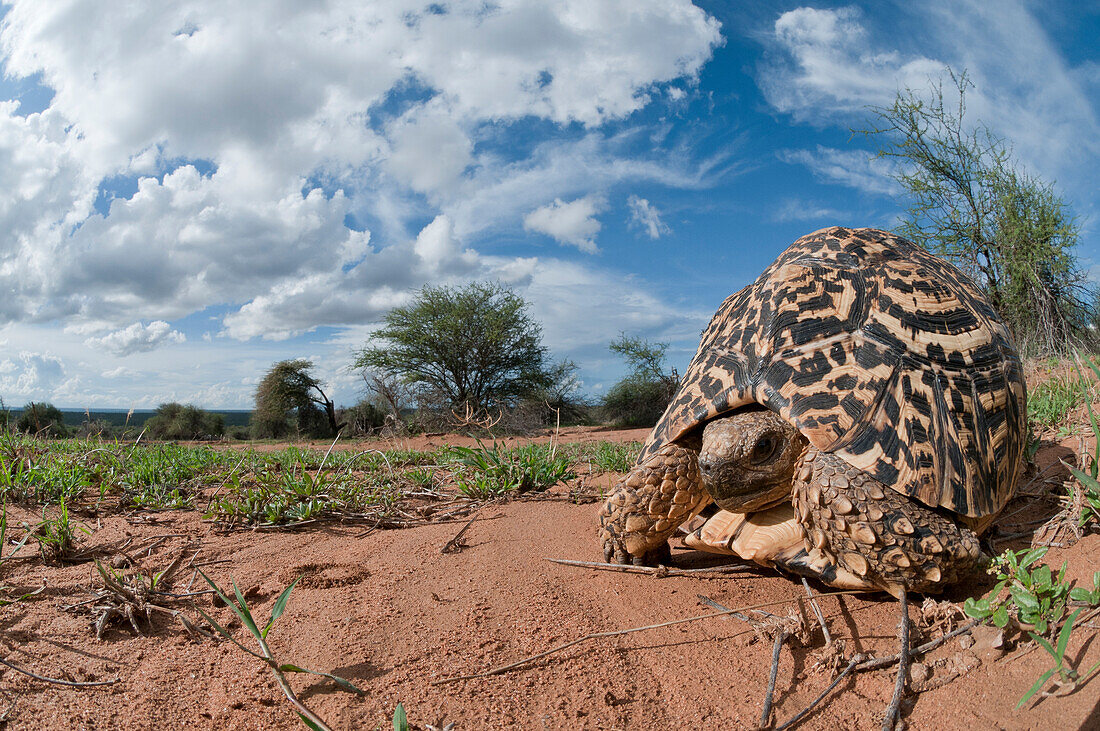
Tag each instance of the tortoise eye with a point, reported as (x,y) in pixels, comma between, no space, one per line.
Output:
(764,450)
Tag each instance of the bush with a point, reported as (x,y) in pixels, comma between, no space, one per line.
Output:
(362,419)
(42,418)
(176,421)
(641,397)
(636,402)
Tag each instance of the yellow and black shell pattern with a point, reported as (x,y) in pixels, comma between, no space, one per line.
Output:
(877,351)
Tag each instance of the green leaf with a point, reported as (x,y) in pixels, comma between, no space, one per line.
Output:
(1063,636)
(400,721)
(1081,594)
(280,605)
(342,682)
(308,723)
(244,613)
(226,634)
(1032,556)
(1024,599)
(977,608)
(1000,617)
(1041,578)
(1088,481)
(1036,688)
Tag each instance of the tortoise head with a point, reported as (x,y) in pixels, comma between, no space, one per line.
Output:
(748,459)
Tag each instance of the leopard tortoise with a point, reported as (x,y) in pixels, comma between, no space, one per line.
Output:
(857,414)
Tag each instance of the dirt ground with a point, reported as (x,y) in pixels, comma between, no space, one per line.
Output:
(393,614)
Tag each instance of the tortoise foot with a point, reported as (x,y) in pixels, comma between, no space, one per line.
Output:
(878,534)
(648,504)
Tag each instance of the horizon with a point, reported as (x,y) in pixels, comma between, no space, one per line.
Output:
(195,194)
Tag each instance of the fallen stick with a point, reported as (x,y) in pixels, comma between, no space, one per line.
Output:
(875,663)
(57,681)
(813,704)
(455,544)
(780,637)
(817,611)
(615,633)
(723,571)
(723,608)
(893,711)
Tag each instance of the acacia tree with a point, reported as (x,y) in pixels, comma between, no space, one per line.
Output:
(641,397)
(1008,230)
(289,387)
(458,347)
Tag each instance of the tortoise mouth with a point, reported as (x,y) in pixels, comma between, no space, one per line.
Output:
(747,501)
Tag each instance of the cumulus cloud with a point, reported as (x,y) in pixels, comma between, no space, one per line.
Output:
(31,375)
(830,65)
(645,216)
(138,338)
(572,223)
(253,135)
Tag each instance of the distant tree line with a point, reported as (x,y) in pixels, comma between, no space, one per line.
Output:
(467,357)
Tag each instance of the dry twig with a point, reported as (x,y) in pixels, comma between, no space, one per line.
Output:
(813,704)
(780,638)
(57,681)
(717,571)
(456,544)
(615,633)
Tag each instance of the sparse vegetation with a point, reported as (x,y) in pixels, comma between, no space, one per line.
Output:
(969,202)
(243,613)
(641,397)
(43,419)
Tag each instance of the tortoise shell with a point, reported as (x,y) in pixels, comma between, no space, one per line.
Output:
(878,352)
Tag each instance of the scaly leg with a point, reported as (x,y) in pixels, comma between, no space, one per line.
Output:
(649,503)
(889,539)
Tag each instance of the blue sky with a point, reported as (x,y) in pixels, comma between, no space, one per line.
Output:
(192,192)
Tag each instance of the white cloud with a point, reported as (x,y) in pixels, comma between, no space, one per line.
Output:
(300,115)
(644,215)
(121,372)
(828,65)
(138,338)
(794,209)
(855,168)
(572,223)
(32,376)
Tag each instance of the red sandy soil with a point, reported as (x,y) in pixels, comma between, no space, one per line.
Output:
(394,615)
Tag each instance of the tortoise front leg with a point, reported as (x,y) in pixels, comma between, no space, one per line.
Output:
(877,533)
(649,503)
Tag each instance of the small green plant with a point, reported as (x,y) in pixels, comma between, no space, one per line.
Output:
(243,612)
(1087,596)
(4,558)
(1037,597)
(55,535)
(1089,476)
(1066,675)
(610,456)
(400,720)
(497,470)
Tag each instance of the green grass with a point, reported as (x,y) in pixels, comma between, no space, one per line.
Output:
(607,456)
(236,487)
(1050,401)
